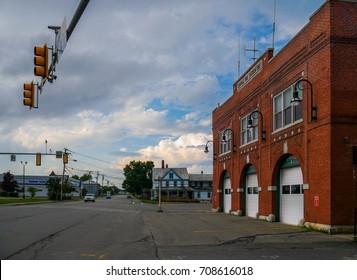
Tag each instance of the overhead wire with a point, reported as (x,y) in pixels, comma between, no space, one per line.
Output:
(113,163)
(102,169)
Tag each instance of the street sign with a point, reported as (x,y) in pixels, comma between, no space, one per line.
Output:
(61,39)
(58,154)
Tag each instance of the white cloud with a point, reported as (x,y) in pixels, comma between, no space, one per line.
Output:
(136,76)
(183,151)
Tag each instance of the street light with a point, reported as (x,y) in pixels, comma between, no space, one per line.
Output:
(23,178)
(295,101)
(250,122)
(206,148)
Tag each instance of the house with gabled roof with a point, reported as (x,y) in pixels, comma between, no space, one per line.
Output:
(178,185)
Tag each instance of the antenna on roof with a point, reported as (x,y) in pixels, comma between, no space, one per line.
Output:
(273,43)
(254,50)
(238,55)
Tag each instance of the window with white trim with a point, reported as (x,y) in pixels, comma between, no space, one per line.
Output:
(225,146)
(249,135)
(284,113)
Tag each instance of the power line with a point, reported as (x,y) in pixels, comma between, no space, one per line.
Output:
(97,159)
(86,172)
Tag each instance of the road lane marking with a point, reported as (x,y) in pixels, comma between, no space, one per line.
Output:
(87,255)
(239,230)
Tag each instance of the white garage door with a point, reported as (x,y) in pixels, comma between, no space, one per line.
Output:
(291,196)
(227,196)
(252,195)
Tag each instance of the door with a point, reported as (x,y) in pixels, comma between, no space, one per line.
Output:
(291,195)
(227,195)
(252,195)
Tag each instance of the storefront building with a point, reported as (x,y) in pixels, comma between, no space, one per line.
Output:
(286,140)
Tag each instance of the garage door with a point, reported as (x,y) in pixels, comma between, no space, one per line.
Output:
(252,195)
(227,195)
(291,196)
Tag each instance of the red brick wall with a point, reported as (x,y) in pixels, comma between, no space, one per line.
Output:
(323,53)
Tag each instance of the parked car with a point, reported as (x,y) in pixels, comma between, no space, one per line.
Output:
(89,197)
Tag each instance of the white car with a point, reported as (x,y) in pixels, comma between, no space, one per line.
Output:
(89,197)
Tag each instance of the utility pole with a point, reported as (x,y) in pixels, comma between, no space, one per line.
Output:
(96,183)
(65,161)
(23,178)
(160,188)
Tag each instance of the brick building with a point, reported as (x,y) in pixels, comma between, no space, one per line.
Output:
(294,163)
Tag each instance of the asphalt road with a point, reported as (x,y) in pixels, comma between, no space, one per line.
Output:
(125,229)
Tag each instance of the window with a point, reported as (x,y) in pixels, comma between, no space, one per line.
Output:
(286,189)
(225,146)
(295,189)
(284,113)
(249,135)
(292,189)
(252,190)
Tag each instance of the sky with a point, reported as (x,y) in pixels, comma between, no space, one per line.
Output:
(138,79)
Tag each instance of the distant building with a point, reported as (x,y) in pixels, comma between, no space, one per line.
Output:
(178,185)
(90,187)
(39,182)
(201,185)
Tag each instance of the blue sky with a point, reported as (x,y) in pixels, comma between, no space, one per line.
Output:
(138,79)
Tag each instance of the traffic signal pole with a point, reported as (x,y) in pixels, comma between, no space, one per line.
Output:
(77,15)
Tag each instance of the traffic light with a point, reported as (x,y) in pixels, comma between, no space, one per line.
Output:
(38,159)
(29,95)
(41,61)
(65,158)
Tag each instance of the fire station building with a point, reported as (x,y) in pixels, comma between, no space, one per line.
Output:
(285,142)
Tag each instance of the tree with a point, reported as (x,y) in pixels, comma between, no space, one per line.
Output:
(85,177)
(138,176)
(76,177)
(53,188)
(32,191)
(9,184)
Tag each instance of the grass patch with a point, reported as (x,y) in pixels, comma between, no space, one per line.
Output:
(27,200)
(11,200)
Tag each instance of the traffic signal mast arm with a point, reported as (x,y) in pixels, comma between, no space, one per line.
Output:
(43,67)
(77,15)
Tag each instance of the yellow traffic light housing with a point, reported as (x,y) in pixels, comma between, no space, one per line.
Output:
(29,95)
(38,159)
(41,61)
(65,158)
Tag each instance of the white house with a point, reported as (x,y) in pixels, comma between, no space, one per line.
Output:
(178,185)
